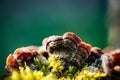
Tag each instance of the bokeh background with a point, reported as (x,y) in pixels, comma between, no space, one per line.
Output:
(28,22)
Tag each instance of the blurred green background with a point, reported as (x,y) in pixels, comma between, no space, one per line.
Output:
(28,22)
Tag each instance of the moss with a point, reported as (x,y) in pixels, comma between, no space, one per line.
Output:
(54,64)
(28,74)
(52,69)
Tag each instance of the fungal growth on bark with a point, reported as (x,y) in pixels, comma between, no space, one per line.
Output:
(68,48)
(62,58)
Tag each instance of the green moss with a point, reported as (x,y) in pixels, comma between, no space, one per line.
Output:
(52,69)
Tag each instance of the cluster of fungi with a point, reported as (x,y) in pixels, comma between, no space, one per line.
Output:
(70,50)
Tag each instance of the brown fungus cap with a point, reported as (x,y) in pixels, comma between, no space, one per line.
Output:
(111,61)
